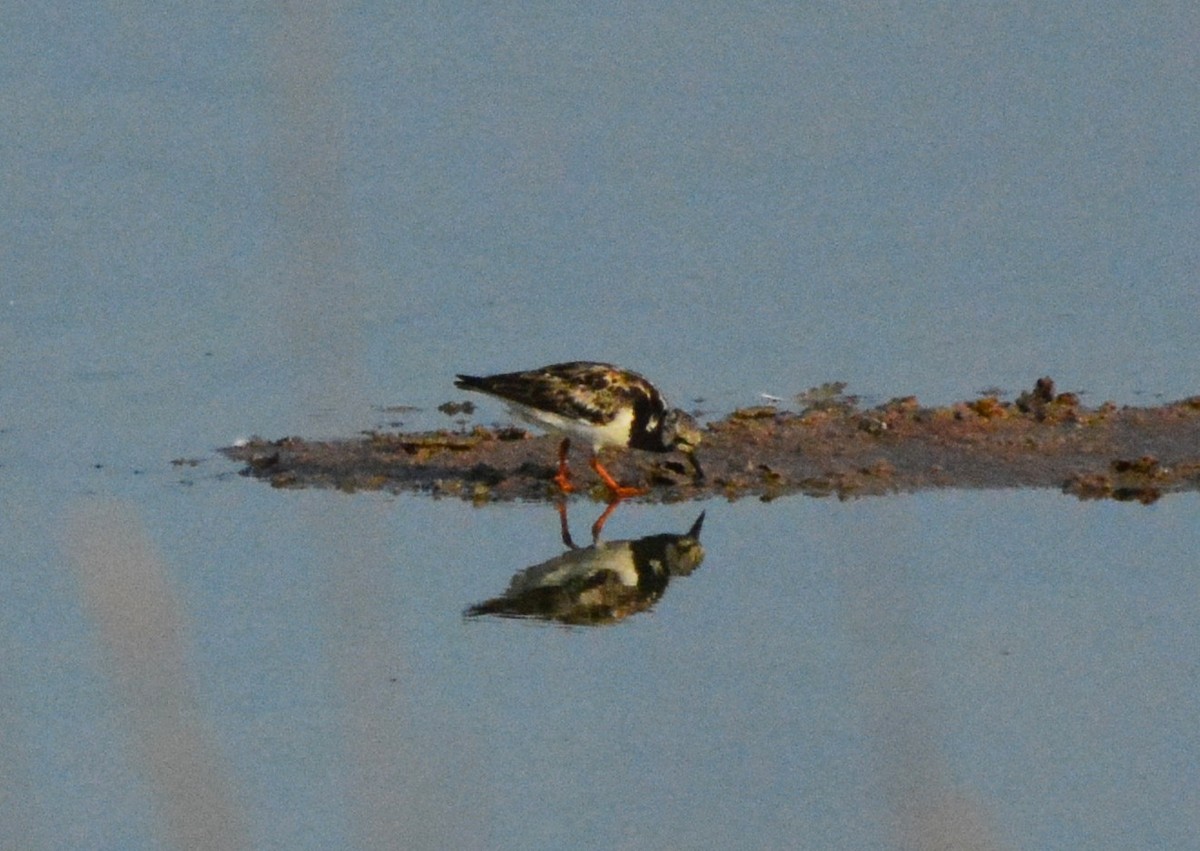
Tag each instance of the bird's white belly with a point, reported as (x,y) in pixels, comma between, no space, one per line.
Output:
(615,433)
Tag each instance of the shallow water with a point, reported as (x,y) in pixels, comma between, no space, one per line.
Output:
(991,664)
(265,224)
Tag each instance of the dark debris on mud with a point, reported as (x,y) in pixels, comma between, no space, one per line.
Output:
(829,446)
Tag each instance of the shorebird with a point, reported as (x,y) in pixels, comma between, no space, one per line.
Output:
(599,403)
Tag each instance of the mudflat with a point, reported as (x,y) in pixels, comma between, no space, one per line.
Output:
(827,445)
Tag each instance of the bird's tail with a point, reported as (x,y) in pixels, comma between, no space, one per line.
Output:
(469,382)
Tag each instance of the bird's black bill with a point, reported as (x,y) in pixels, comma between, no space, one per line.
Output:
(695,465)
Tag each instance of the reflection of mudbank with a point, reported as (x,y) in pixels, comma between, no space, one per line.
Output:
(601,584)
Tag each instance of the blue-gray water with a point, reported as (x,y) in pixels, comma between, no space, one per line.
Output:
(219,221)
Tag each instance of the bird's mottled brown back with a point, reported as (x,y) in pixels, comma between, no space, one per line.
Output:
(595,392)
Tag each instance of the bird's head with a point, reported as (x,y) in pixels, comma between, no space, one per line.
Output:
(680,431)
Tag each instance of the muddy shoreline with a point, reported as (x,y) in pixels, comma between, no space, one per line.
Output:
(827,446)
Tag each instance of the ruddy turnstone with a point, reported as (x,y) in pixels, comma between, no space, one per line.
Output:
(597,402)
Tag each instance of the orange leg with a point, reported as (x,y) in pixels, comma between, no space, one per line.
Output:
(618,491)
(563,477)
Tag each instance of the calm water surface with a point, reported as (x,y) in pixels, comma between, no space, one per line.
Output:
(1017,667)
(220,223)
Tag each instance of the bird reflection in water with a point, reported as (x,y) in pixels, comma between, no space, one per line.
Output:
(597,585)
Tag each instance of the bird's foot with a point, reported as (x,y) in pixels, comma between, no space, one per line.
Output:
(618,491)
